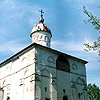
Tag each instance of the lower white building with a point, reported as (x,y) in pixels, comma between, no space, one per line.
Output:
(40,73)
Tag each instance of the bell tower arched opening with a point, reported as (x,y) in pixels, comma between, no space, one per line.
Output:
(62,63)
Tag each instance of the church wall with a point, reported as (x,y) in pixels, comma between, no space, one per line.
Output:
(63,84)
(17,78)
(63,81)
(77,67)
(5,70)
(74,81)
(46,72)
(46,78)
(46,57)
(78,86)
(78,80)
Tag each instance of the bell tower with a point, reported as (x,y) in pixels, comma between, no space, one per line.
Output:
(41,34)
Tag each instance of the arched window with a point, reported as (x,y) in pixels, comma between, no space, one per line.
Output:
(62,64)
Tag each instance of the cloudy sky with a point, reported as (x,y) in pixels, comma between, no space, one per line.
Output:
(65,18)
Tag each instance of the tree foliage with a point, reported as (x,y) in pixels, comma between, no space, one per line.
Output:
(93,92)
(96,24)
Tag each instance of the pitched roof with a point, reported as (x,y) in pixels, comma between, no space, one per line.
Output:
(17,55)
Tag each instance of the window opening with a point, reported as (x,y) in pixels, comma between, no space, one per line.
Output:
(45,89)
(62,63)
(8,98)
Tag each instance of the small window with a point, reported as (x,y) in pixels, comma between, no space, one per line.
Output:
(45,89)
(45,38)
(64,91)
(41,36)
(8,98)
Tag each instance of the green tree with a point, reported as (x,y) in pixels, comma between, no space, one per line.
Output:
(93,92)
(96,24)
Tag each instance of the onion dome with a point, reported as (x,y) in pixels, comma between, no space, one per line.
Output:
(40,26)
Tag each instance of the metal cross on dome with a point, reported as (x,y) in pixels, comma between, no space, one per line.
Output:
(41,18)
(41,12)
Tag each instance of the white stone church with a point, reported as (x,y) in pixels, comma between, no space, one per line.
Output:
(39,72)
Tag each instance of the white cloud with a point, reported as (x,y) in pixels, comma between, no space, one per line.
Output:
(18,9)
(11,46)
(88,40)
(70,46)
(91,1)
(82,1)
(93,80)
(9,4)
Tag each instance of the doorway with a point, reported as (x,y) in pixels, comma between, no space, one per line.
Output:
(47,98)
(65,97)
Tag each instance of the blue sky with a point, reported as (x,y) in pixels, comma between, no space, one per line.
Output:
(64,18)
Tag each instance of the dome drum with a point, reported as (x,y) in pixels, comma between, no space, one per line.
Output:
(41,37)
